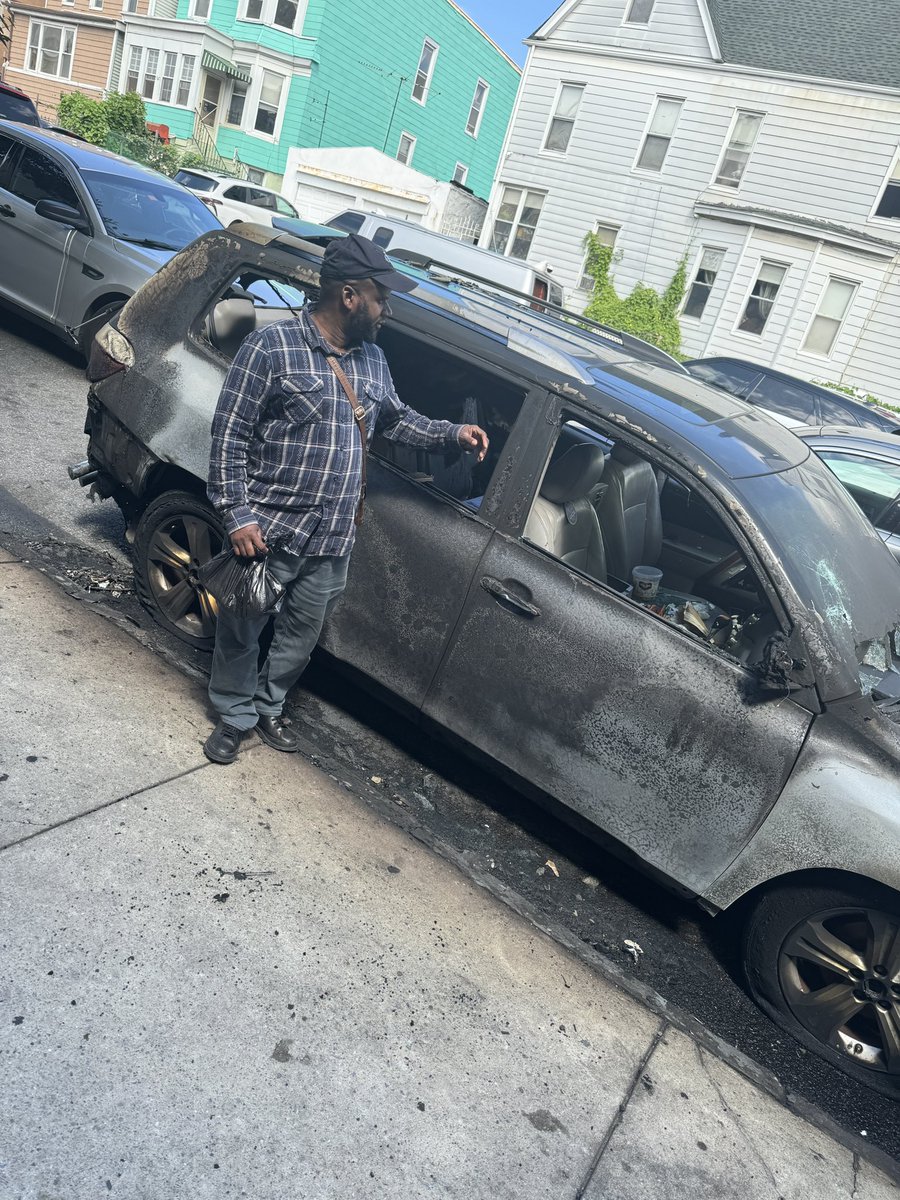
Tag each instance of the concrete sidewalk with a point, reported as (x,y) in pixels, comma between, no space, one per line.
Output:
(242,982)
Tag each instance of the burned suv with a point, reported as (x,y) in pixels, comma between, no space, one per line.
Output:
(733,732)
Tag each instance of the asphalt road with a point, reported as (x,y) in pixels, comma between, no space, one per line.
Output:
(691,960)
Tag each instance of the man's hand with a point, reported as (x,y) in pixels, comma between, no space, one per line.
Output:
(248,542)
(473,437)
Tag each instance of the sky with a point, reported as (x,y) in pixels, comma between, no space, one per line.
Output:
(509,21)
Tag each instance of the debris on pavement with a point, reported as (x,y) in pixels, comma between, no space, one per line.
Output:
(632,948)
(95,581)
(552,865)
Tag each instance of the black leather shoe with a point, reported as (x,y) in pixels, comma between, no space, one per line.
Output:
(277,733)
(223,744)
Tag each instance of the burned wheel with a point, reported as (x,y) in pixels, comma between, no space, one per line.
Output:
(824,962)
(177,533)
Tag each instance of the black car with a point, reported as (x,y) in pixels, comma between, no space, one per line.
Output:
(867,462)
(16,106)
(734,733)
(792,400)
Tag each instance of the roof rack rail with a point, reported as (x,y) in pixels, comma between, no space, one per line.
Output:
(536,303)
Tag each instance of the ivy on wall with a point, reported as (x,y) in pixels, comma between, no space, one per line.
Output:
(644,312)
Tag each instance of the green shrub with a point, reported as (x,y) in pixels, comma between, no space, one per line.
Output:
(645,312)
(84,116)
(126,114)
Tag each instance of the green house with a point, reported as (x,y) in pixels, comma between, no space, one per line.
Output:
(245,80)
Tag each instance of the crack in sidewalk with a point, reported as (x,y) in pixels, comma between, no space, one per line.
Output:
(88,812)
(620,1111)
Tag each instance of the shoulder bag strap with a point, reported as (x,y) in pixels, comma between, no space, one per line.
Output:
(359,416)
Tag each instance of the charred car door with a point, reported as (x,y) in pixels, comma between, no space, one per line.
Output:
(643,717)
(428,518)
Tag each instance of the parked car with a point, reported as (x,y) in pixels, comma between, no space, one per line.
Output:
(736,734)
(16,106)
(82,229)
(792,401)
(867,462)
(233,199)
(409,240)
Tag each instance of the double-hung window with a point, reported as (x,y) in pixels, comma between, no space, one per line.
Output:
(167,82)
(888,204)
(284,14)
(133,74)
(405,148)
(702,284)
(151,66)
(639,12)
(736,155)
(762,298)
(563,120)
(268,103)
(516,221)
(460,173)
(238,99)
(200,9)
(830,316)
(188,63)
(424,71)
(659,134)
(50,49)
(129,6)
(606,235)
(476,111)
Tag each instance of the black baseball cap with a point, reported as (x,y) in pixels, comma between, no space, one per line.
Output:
(355,257)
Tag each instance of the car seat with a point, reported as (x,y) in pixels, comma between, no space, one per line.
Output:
(629,514)
(563,520)
(229,322)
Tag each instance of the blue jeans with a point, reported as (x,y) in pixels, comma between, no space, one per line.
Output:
(240,691)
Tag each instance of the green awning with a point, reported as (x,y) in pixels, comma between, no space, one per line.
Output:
(221,66)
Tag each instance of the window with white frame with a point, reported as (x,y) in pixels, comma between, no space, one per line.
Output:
(563,120)
(476,112)
(744,132)
(830,316)
(268,104)
(460,173)
(167,81)
(659,133)
(95,4)
(889,201)
(129,6)
(516,221)
(606,235)
(133,74)
(255,175)
(188,62)
(285,14)
(237,100)
(639,12)
(50,49)
(200,9)
(424,71)
(151,66)
(762,298)
(405,148)
(702,284)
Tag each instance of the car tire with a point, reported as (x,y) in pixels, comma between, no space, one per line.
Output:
(824,963)
(93,324)
(177,533)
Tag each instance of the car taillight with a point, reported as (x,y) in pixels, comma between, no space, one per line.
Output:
(539,291)
(211,202)
(111,351)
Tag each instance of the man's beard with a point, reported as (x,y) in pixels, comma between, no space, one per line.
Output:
(360,328)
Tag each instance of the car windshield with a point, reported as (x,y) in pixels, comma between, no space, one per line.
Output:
(148,212)
(17,108)
(836,561)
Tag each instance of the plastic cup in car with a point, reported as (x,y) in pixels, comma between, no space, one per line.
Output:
(645,582)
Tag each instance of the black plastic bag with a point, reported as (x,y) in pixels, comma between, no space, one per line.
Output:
(243,587)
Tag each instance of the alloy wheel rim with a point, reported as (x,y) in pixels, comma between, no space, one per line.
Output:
(176,551)
(840,975)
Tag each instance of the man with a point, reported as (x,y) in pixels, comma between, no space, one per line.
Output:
(286,473)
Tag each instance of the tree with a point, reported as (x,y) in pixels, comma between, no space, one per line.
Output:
(645,313)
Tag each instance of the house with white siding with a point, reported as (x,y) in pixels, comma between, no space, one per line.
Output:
(759,139)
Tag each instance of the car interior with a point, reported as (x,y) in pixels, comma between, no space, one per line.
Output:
(604,510)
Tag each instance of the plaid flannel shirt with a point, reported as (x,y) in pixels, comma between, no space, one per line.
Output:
(286,451)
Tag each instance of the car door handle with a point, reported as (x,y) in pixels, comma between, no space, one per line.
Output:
(500,592)
(6,211)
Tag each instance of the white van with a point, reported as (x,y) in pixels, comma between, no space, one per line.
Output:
(406,239)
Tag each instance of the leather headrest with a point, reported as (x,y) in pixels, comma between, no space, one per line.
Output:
(574,474)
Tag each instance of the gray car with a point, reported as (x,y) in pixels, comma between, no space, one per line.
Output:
(81,229)
(737,733)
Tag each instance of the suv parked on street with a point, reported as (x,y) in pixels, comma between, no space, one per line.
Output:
(82,229)
(735,733)
(16,106)
(234,200)
(790,400)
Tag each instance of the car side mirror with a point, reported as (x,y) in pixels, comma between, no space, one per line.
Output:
(63,214)
(778,670)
